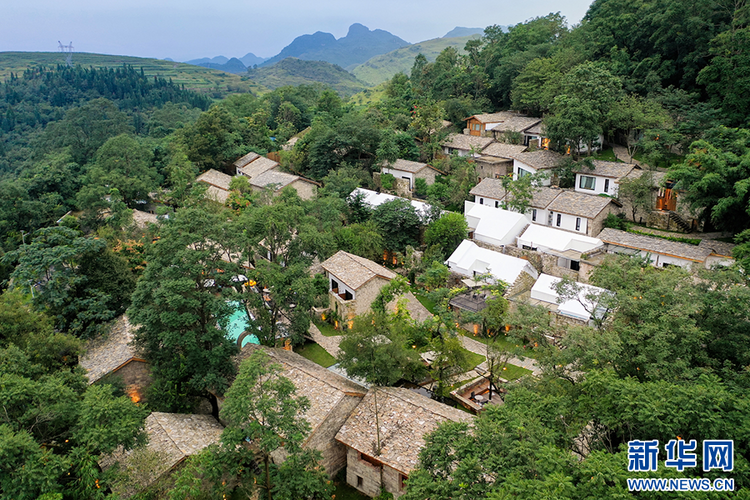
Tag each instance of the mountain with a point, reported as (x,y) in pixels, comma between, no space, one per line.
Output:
(460,31)
(204,61)
(359,45)
(251,59)
(382,67)
(293,71)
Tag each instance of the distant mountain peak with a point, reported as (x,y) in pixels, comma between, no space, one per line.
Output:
(461,31)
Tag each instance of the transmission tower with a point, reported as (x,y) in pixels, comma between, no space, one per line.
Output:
(68,49)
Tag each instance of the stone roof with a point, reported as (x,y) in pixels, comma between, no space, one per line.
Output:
(143,219)
(503,150)
(215,178)
(217,194)
(408,166)
(173,437)
(246,159)
(324,388)
(658,177)
(273,178)
(405,417)
(507,121)
(653,244)
(355,271)
(540,159)
(536,129)
(493,188)
(607,169)
(718,247)
(258,166)
(105,354)
(579,204)
(467,142)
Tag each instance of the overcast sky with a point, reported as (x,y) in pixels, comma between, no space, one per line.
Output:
(190,29)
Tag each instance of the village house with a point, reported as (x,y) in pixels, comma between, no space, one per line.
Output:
(218,185)
(562,252)
(491,192)
(277,180)
(501,126)
(465,145)
(252,165)
(591,301)
(536,137)
(114,356)
(471,260)
(582,213)
(172,437)
(353,283)
(411,171)
(332,398)
(541,160)
(603,178)
(662,253)
(375,199)
(404,417)
(493,226)
(496,160)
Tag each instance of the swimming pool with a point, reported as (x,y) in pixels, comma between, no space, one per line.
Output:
(239,325)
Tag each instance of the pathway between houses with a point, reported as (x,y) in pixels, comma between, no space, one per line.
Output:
(479,348)
(330,344)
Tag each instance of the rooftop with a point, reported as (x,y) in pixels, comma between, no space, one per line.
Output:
(558,240)
(246,159)
(579,308)
(258,166)
(467,142)
(470,257)
(503,150)
(655,245)
(217,194)
(355,271)
(506,120)
(607,169)
(540,159)
(579,204)
(408,166)
(107,353)
(493,188)
(273,178)
(215,178)
(375,199)
(495,223)
(405,418)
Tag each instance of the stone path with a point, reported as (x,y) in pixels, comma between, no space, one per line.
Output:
(479,348)
(330,344)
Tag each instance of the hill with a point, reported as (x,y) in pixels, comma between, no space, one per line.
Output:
(292,71)
(359,45)
(461,31)
(193,77)
(382,67)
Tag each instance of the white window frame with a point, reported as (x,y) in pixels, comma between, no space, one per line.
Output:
(587,178)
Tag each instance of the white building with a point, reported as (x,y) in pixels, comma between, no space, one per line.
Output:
(471,260)
(375,199)
(566,246)
(604,178)
(531,162)
(590,299)
(494,226)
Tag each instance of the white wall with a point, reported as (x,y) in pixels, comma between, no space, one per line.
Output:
(342,288)
(568,222)
(598,186)
(517,165)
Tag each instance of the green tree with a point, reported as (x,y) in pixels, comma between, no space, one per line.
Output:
(214,140)
(447,232)
(638,193)
(633,114)
(398,223)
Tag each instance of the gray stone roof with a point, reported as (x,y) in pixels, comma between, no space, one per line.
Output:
(493,188)
(607,169)
(217,194)
(273,177)
(215,178)
(536,129)
(407,166)
(718,247)
(258,166)
(107,353)
(405,417)
(508,121)
(579,204)
(502,150)
(324,388)
(355,271)
(652,244)
(246,159)
(467,142)
(658,177)
(540,159)
(143,219)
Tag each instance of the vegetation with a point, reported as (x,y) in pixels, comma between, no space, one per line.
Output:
(293,71)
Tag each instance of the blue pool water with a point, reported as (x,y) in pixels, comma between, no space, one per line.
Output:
(239,324)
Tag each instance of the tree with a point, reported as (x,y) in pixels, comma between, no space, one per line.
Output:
(214,140)
(262,407)
(398,223)
(638,193)
(574,124)
(535,87)
(447,232)
(633,114)
(361,239)
(181,306)
(520,192)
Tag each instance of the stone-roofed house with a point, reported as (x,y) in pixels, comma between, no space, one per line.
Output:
(241,162)
(531,162)
(114,355)
(172,437)
(582,213)
(411,171)
(354,283)
(603,178)
(405,417)
(256,166)
(277,180)
(465,145)
(498,125)
(332,398)
(662,252)
(497,160)
(218,184)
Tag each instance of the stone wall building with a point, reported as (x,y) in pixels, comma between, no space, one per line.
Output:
(411,171)
(405,417)
(581,213)
(218,184)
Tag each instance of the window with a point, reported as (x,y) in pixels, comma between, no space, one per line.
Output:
(587,182)
(606,185)
(402,482)
(497,204)
(481,201)
(369,460)
(523,173)
(549,219)
(533,214)
(575,265)
(578,224)
(335,286)
(527,247)
(360,481)
(559,220)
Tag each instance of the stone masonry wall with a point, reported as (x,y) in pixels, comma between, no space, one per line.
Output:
(367,294)
(323,438)
(428,175)
(136,375)
(370,474)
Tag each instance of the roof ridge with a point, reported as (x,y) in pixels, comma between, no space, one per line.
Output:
(166,433)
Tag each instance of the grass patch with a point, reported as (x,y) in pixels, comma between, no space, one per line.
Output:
(428,303)
(327,329)
(513,372)
(689,241)
(502,343)
(605,155)
(316,354)
(474,359)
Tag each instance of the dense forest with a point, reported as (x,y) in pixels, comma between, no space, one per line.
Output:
(84,150)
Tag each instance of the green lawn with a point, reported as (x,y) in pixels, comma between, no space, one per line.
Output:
(327,329)
(605,155)
(502,342)
(474,359)
(513,372)
(316,354)
(429,304)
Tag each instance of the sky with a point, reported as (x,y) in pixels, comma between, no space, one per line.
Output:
(191,29)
